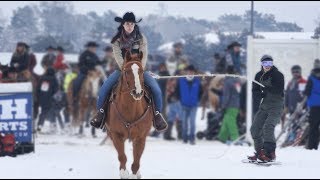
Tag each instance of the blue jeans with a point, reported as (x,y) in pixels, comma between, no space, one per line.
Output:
(108,84)
(174,111)
(188,118)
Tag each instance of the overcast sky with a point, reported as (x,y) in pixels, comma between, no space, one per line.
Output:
(304,13)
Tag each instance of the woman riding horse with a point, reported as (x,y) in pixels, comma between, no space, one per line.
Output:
(129,38)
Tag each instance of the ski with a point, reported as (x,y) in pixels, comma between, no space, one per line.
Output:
(259,163)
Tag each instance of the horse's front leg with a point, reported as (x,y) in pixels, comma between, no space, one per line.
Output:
(138,148)
(118,142)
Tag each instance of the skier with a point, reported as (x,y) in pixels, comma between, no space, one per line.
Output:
(270,110)
(313,93)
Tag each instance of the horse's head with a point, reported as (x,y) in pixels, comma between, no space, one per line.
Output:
(132,75)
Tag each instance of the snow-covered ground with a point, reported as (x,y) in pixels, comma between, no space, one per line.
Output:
(63,156)
(71,157)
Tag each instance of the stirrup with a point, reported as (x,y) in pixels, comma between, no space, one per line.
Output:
(158,113)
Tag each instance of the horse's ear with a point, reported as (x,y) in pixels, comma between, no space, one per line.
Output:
(128,56)
(140,55)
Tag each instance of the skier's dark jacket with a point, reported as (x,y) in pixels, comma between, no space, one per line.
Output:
(273,93)
(313,88)
(46,96)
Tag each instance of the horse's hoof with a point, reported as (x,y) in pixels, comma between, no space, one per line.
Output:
(135,176)
(124,174)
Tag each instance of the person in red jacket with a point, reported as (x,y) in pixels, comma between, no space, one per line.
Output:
(59,64)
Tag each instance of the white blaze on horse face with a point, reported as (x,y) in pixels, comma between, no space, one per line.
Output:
(135,69)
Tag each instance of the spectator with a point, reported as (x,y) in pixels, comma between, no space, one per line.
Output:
(313,93)
(59,61)
(295,88)
(163,82)
(59,65)
(230,107)
(59,103)
(49,58)
(174,109)
(20,61)
(176,58)
(70,76)
(47,87)
(233,56)
(190,94)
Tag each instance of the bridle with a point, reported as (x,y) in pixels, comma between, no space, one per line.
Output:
(132,92)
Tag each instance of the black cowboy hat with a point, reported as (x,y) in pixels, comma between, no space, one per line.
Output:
(51,47)
(190,68)
(128,17)
(26,45)
(177,44)
(21,44)
(108,49)
(59,48)
(92,44)
(234,44)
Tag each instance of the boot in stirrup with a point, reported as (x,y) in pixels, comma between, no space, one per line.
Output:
(98,119)
(159,123)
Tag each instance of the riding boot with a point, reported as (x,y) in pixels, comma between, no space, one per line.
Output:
(99,119)
(159,123)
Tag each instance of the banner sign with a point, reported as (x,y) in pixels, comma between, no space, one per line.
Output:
(16,115)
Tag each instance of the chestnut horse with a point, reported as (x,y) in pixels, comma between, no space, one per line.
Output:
(130,114)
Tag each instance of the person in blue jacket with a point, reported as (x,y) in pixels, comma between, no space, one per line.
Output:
(312,91)
(190,92)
